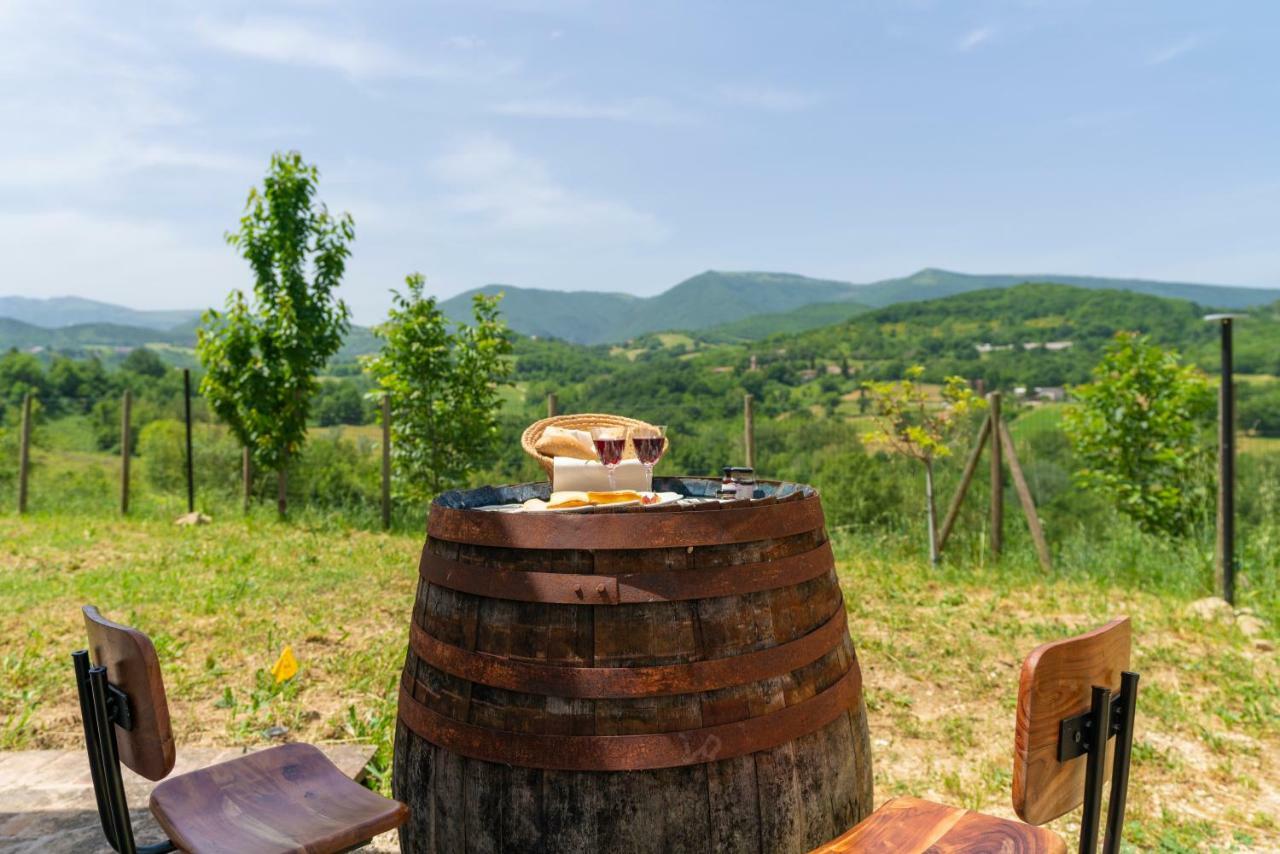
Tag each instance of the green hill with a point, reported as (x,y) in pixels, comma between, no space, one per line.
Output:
(759,326)
(708,299)
(770,303)
(24,336)
(1030,334)
(932,283)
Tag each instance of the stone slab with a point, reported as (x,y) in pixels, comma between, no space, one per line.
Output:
(47,803)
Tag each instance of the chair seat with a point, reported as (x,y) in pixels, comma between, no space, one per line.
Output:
(284,799)
(906,825)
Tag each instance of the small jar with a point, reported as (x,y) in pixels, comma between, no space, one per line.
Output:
(728,490)
(744,477)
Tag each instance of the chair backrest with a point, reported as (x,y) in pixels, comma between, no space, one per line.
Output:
(1057,683)
(132,666)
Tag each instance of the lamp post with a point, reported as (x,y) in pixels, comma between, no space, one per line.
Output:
(1226,463)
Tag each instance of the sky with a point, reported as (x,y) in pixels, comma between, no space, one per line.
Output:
(627,146)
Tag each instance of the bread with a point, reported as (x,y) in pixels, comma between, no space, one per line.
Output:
(559,442)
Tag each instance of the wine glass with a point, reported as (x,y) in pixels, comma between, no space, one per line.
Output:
(609,442)
(649,441)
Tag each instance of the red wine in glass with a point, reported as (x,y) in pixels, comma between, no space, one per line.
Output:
(648,448)
(610,450)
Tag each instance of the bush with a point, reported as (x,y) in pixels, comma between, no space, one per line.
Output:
(215,457)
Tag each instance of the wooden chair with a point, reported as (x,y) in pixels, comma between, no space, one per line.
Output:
(1070,690)
(288,798)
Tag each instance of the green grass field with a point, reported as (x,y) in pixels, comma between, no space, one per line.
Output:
(940,652)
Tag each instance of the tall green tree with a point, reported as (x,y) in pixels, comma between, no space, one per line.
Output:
(443,382)
(262,354)
(920,428)
(1140,430)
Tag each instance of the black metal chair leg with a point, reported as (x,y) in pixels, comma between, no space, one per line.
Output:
(1095,769)
(97,767)
(1120,766)
(113,784)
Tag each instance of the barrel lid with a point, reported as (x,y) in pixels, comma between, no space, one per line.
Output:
(780,509)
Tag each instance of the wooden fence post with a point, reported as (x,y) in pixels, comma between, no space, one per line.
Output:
(126,440)
(191,477)
(997,478)
(970,466)
(386,462)
(749,431)
(24,453)
(246,477)
(553,405)
(1024,496)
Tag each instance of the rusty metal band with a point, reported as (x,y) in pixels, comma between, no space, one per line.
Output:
(651,530)
(631,588)
(600,683)
(634,752)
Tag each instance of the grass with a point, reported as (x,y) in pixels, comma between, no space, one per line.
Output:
(940,652)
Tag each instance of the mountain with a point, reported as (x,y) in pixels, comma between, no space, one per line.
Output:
(74,311)
(781,302)
(759,326)
(15,333)
(931,283)
(728,305)
(708,299)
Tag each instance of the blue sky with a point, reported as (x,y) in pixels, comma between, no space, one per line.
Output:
(625,146)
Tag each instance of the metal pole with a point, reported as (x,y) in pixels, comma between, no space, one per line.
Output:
(749,431)
(386,462)
(191,481)
(1227,470)
(24,453)
(1095,769)
(553,405)
(997,478)
(126,439)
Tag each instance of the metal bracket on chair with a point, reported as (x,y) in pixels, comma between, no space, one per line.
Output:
(1075,734)
(118,708)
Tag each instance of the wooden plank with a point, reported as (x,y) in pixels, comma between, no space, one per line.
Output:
(1056,682)
(970,467)
(483,800)
(132,666)
(997,479)
(1024,496)
(902,825)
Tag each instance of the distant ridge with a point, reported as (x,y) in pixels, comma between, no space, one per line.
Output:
(57,312)
(721,299)
(729,305)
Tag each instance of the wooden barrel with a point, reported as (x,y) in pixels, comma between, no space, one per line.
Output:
(634,680)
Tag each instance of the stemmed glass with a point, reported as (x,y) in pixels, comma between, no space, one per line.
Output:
(609,442)
(650,441)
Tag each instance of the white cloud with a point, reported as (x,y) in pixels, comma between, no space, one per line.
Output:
(1172,51)
(974,38)
(640,110)
(771,98)
(290,42)
(490,180)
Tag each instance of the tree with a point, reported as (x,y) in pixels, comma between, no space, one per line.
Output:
(443,384)
(1140,431)
(261,356)
(916,427)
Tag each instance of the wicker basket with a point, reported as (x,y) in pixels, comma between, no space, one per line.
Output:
(583,421)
